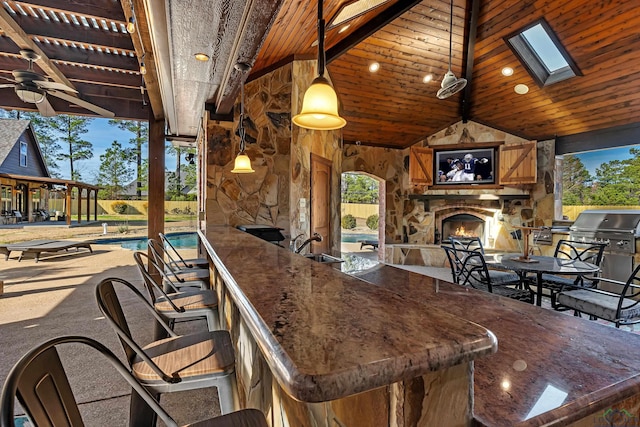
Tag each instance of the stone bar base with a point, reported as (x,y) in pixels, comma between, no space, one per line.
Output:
(444,397)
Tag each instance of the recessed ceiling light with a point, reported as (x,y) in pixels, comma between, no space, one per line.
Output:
(202,57)
(507,71)
(374,66)
(343,28)
(521,89)
(427,78)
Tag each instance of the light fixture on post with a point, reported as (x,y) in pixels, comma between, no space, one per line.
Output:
(143,69)
(450,83)
(320,103)
(242,163)
(131,23)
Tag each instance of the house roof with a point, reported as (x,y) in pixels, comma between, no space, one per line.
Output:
(88,46)
(10,132)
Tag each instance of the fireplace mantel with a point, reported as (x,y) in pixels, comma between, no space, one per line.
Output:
(427,197)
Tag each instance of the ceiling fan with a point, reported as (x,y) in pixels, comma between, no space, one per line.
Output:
(33,88)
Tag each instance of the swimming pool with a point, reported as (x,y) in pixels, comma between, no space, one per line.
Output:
(355,237)
(178,240)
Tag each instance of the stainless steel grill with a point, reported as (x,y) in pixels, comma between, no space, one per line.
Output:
(620,229)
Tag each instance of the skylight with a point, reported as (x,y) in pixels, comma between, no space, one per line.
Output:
(542,54)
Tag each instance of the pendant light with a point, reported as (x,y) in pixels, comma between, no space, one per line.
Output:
(320,103)
(242,163)
(450,83)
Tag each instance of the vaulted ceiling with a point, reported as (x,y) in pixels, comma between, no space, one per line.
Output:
(86,45)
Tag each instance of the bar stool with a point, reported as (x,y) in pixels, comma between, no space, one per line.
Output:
(176,260)
(179,304)
(176,363)
(57,407)
(179,275)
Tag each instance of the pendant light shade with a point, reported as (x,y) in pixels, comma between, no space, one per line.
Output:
(242,163)
(320,107)
(320,103)
(450,83)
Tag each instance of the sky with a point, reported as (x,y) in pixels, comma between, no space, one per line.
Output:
(101,134)
(593,159)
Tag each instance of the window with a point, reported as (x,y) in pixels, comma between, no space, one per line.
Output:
(5,198)
(23,154)
(542,54)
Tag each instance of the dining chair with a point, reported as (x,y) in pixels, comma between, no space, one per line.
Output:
(179,304)
(41,385)
(176,260)
(572,250)
(620,306)
(467,243)
(469,268)
(177,363)
(178,275)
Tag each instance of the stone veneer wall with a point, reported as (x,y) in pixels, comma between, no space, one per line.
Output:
(261,197)
(408,221)
(280,153)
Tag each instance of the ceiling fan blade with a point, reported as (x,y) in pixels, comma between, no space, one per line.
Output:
(8,79)
(45,108)
(84,104)
(8,85)
(46,84)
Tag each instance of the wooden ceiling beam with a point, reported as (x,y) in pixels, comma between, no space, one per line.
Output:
(106,9)
(143,47)
(79,56)
(472,31)
(23,41)
(72,33)
(359,35)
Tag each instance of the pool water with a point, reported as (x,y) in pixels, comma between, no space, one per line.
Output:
(354,238)
(178,240)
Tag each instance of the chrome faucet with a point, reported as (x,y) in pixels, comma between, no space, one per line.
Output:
(294,242)
(316,237)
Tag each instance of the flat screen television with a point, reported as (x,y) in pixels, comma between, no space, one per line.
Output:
(471,166)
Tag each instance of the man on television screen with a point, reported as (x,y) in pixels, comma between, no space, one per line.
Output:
(470,169)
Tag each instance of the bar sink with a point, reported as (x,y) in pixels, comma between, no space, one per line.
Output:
(324,258)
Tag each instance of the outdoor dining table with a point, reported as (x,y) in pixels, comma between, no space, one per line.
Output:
(543,265)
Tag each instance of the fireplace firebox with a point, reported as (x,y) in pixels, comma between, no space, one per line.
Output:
(463,225)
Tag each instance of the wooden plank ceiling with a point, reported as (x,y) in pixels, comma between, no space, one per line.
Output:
(88,45)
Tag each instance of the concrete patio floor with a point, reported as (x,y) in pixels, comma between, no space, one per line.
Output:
(56,297)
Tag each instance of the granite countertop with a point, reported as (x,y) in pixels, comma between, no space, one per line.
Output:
(327,335)
(550,369)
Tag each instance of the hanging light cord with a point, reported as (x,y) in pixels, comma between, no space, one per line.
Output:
(241,131)
(450,34)
(321,53)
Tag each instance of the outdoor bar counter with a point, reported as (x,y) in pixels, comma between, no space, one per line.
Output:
(316,347)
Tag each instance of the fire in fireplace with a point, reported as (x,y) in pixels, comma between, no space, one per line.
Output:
(463,225)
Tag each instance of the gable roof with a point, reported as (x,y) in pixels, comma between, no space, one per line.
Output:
(10,132)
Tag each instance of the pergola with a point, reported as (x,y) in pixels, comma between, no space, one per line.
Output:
(65,187)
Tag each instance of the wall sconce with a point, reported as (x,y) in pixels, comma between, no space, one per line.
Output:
(190,158)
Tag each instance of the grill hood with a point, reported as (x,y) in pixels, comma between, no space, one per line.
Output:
(619,221)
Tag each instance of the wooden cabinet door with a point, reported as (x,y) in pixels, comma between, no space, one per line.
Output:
(518,164)
(421,165)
